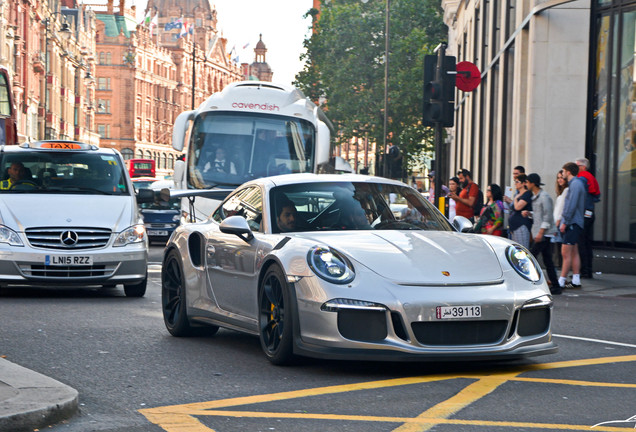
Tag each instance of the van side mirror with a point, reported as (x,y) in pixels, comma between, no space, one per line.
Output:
(237,225)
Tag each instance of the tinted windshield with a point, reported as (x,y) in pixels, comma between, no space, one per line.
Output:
(352,206)
(231,148)
(62,172)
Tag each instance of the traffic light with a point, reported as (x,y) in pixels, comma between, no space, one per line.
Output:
(439,91)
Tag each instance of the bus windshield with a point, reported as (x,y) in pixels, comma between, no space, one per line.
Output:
(229,149)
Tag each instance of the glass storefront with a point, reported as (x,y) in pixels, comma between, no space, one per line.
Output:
(613,109)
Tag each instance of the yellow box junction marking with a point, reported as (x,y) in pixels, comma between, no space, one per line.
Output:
(183,418)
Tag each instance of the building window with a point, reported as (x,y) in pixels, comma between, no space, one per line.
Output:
(103,130)
(103,106)
(613,117)
(127,153)
(105,58)
(103,84)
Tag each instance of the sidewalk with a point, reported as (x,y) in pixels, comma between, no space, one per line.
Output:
(29,400)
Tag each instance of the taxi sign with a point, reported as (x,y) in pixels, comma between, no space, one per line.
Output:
(61,145)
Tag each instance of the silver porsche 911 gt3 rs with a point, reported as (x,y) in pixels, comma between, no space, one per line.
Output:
(320,266)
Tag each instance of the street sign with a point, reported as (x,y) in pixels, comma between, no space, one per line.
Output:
(468,76)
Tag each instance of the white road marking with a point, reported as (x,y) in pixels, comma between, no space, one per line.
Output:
(595,340)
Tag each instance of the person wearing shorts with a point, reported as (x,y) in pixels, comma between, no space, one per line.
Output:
(572,226)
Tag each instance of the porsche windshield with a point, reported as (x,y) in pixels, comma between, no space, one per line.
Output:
(62,172)
(352,206)
(232,148)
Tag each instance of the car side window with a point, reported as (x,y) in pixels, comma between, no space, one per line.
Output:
(247,203)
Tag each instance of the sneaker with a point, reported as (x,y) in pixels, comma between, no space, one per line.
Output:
(570,285)
(557,291)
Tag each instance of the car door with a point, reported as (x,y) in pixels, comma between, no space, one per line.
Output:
(231,261)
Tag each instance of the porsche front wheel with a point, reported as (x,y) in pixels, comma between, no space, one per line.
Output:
(275,318)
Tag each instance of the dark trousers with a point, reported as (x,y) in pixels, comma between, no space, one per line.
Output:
(544,248)
(585,246)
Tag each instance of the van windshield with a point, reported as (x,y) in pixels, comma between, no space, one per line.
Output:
(62,172)
(232,148)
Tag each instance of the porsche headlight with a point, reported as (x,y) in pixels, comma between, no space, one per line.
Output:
(330,265)
(7,235)
(133,234)
(521,260)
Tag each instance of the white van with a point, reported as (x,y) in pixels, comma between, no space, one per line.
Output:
(69,217)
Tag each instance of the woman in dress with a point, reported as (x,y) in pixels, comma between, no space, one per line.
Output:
(561,189)
(453,185)
(518,225)
(492,214)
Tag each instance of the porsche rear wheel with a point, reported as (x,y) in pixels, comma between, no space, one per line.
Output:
(173,299)
(275,318)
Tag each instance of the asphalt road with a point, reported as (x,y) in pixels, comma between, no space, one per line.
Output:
(133,376)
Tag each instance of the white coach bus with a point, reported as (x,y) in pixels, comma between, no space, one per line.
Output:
(248,130)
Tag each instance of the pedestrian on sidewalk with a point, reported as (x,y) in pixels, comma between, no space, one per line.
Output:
(518,225)
(572,225)
(543,228)
(592,197)
(466,199)
(561,189)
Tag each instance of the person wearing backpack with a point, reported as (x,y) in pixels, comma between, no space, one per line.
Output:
(467,202)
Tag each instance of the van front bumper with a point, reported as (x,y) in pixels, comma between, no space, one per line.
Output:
(110,266)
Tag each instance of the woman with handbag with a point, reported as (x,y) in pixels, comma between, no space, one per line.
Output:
(492,214)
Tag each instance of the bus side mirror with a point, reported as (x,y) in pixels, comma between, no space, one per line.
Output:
(178,174)
(323,143)
(180,128)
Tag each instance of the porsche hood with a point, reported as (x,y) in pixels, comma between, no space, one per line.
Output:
(418,257)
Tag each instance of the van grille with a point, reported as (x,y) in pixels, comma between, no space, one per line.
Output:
(80,238)
(67,272)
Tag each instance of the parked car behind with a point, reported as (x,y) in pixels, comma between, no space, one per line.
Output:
(161,217)
(69,217)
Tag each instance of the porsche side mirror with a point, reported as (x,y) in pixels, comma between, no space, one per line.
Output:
(237,225)
(462,224)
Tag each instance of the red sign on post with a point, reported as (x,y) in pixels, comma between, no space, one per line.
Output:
(468,76)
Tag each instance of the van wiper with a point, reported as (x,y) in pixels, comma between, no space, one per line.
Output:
(76,189)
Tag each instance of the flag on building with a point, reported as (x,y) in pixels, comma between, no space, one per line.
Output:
(155,22)
(146,19)
(184,30)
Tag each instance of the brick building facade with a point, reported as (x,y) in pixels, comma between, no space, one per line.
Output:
(92,73)
(147,74)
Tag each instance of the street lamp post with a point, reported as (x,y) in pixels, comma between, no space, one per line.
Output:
(65,31)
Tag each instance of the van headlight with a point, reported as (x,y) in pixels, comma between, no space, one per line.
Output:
(330,265)
(133,234)
(10,237)
(523,262)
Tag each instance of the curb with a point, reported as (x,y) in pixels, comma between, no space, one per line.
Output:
(29,400)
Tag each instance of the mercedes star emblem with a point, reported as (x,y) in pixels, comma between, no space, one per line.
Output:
(69,238)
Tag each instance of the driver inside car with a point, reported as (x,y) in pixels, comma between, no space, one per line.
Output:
(17,172)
